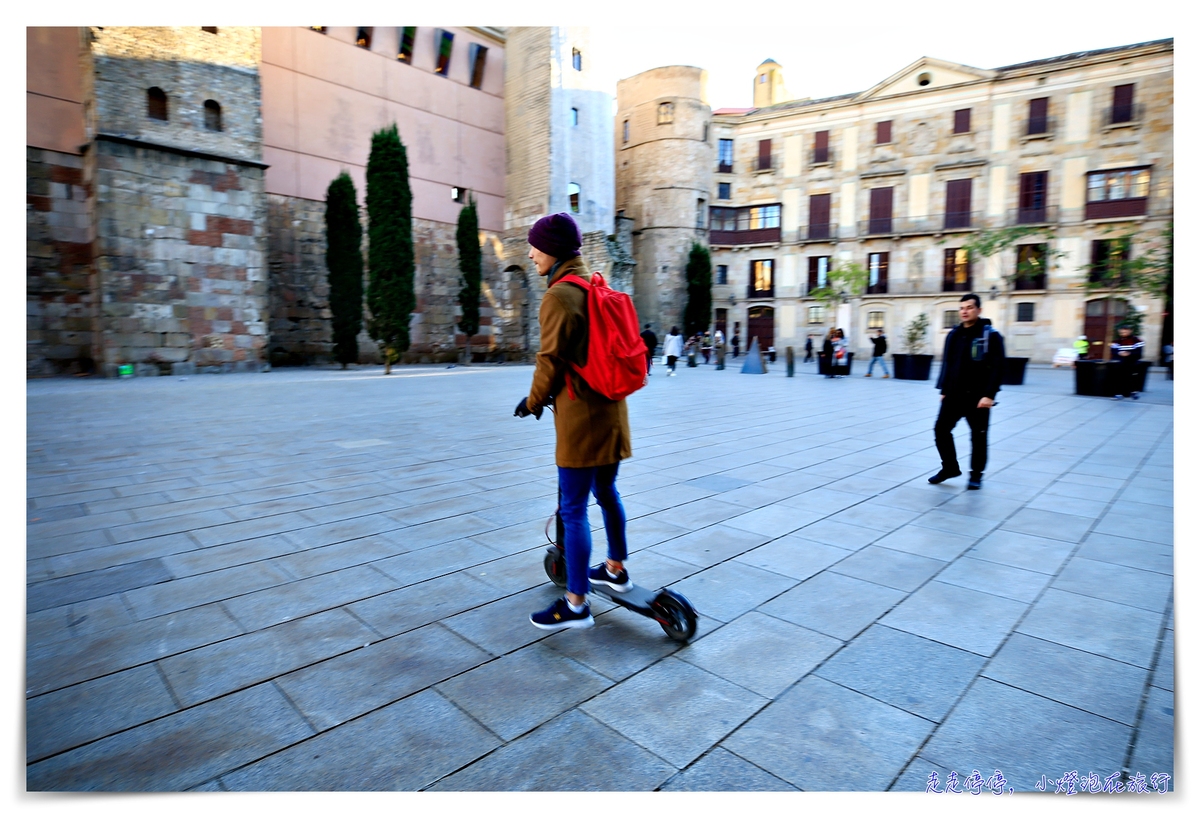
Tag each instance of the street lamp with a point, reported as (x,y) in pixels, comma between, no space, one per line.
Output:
(995,292)
(732,299)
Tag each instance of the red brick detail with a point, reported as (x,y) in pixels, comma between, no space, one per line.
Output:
(224,224)
(66,176)
(41,203)
(217,181)
(204,237)
(74,253)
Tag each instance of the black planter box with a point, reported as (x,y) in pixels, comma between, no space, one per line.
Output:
(1096,378)
(1014,371)
(912,367)
(823,367)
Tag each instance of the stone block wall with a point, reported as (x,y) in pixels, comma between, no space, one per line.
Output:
(299,323)
(60,305)
(181,260)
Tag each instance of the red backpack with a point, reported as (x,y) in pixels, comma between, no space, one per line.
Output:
(616,360)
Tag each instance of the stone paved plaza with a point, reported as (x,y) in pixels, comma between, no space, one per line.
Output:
(317,579)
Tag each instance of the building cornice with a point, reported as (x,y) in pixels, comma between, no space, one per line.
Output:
(121,139)
(498,35)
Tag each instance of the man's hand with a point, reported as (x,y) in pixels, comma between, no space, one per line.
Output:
(523,410)
(985,403)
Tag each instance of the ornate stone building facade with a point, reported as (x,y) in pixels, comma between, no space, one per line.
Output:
(899,177)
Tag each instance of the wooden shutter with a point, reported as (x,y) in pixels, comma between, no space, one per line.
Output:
(962,120)
(764,154)
(820,147)
(818,216)
(883,132)
(1033,191)
(813,261)
(1122,103)
(958,203)
(1038,109)
(881,209)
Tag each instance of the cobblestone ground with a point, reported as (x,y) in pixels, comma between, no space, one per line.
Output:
(316,579)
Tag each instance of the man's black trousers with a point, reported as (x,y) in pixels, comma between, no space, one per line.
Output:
(954,408)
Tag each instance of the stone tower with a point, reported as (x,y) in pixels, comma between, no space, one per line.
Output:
(665,161)
(558,130)
(768,85)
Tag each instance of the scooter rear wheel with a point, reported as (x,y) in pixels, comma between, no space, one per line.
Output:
(676,615)
(556,568)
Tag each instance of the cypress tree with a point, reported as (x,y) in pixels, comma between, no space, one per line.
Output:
(698,311)
(343,258)
(391,296)
(470,263)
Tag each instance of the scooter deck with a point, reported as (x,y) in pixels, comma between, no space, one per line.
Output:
(635,599)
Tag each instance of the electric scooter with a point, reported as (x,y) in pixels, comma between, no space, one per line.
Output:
(669,609)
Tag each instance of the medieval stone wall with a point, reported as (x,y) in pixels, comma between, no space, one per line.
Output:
(60,304)
(180,256)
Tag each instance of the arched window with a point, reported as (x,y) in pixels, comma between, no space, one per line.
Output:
(156,104)
(625,131)
(576,59)
(212,115)
(573,194)
(666,113)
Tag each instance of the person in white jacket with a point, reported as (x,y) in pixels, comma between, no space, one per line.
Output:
(673,349)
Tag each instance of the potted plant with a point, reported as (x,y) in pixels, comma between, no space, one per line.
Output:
(988,243)
(913,365)
(1120,276)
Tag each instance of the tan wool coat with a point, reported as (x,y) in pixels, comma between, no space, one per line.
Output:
(590,430)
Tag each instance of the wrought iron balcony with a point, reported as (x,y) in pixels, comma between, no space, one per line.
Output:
(821,156)
(1123,115)
(1032,215)
(1040,126)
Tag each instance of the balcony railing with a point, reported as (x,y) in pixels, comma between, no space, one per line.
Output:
(1037,282)
(949,285)
(751,292)
(962,220)
(818,232)
(1040,126)
(724,167)
(766,235)
(1122,115)
(1032,215)
(1116,208)
(821,156)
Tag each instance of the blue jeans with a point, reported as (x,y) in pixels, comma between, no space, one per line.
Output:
(882,363)
(573,488)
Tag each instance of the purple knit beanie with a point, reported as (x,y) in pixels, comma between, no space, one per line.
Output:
(557,235)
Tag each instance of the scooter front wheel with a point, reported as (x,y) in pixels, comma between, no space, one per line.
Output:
(675,614)
(556,567)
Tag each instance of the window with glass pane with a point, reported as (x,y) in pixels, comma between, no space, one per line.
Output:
(722,273)
(445,45)
(763,217)
(478,60)
(956,272)
(408,37)
(818,272)
(875,319)
(723,190)
(723,218)
(576,59)
(1025,311)
(816,314)
(666,113)
(724,155)
(1112,185)
(949,319)
(1031,267)
(877,269)
(573,195)
(760,273)
(625,131)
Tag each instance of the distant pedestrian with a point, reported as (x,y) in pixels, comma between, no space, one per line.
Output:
(673,349)
(841,354)
(880,344)
(808,349)
(718,340)
(706,346)
(972,365)
(651,341)
(737,342)
(1128,351)
(1081,347)
(827,354)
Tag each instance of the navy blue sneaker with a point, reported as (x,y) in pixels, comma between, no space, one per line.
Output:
(559,616)
(599,576)
(975,482)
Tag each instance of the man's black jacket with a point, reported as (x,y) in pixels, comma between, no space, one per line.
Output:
(973,361)
(880,343)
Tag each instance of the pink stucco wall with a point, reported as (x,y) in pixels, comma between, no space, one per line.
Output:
(323,97)
(53,89)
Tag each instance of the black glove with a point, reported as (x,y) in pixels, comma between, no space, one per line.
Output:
(523,410)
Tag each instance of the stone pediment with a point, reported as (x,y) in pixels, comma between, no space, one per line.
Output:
(933,73)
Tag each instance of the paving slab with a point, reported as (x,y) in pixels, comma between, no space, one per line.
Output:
(1116,583)
(730,589)
(1154,751)
(893,569)
(711,545)
(405,746)
(201,743)
(411,607)
(734,652)
(1097,626)
(1025,736)
(1032,553)
(960,617)
(851,741)
(721,771)
(994,578)
(1164,671)
(833,604)
(793,556)
(674,709)
(914,674)
(928,542)
(589,757)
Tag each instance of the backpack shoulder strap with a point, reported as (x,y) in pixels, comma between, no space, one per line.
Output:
(577,280)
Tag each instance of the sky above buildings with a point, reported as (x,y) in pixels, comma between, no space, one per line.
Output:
(833,48)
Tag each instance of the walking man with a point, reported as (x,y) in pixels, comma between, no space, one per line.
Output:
(1127,350)
(808,349)
(880,343)
(591,432)
(651,341)
(736,341)
(972,365)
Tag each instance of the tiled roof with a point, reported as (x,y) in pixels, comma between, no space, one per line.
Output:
(1082,54)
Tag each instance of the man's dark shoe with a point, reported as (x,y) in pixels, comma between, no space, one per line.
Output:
(598,575)
(559,616)
(975,482)
(943,476)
